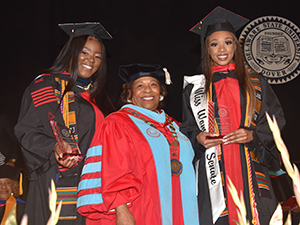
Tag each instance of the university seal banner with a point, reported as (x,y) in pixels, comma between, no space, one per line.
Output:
(271,46)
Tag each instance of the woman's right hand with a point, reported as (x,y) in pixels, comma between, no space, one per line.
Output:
(206,142)
(124,216)
(68,162)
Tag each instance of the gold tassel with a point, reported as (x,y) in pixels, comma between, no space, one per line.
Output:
(21,184)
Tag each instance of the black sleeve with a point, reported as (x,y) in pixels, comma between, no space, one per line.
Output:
(189,126)
(36,141)
(263,143)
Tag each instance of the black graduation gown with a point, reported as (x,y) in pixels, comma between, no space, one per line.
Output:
(262,145)
(37,141)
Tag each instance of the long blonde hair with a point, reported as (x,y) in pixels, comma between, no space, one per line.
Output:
(243,76)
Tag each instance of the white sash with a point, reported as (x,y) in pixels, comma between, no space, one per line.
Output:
(199,102)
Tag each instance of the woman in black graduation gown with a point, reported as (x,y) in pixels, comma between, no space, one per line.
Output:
(71,93)
(224,117)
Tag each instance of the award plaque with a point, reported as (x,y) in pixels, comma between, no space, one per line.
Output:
(219,120)
(222,117)
(63,134)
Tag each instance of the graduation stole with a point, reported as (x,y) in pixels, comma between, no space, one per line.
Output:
(68,113)
(47,102)
(251,158)
(260,176)
(10,214)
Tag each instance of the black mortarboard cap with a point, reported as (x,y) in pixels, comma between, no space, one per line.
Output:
(10,172)
(219,19)
(88,28)
(134,71)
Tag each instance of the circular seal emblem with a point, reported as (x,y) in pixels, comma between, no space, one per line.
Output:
(271,46)
(153,132)
(65,133)
(176,167)
(222,112)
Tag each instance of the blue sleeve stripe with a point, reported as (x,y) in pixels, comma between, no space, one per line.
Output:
(89,200)
(91,168)
(94,151)
(89,183)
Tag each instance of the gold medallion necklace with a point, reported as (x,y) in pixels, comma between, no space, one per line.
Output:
(176,165)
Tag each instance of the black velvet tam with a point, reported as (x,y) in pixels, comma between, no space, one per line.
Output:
(134,71)
(10,172)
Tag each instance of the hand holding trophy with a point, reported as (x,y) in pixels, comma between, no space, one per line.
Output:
(218,125)
(218,121)
(66,147)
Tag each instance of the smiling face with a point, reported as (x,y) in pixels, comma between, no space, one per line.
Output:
(221,47)
(89,60)
(146,93)
(6,186)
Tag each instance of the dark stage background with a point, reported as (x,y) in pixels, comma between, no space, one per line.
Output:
(152,31)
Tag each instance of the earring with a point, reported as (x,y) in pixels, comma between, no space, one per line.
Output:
(161,98)
(129,101)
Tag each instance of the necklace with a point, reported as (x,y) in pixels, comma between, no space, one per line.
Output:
(176,165)
(84,88)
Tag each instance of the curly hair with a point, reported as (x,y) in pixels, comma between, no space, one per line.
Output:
(127,93)
(15,188)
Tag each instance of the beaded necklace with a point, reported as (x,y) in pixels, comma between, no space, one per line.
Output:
(176,165)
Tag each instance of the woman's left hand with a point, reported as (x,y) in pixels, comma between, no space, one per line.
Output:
(239,136)
(69,162)
(124,216)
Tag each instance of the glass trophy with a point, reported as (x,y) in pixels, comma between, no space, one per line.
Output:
(63,134)
(219,120)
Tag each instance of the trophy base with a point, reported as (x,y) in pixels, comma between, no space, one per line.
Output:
(69,155)
(215,137)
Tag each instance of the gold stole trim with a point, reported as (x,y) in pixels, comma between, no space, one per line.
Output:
(10,214)
(65,103)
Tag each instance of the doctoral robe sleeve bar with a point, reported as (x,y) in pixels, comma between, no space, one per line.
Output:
(120,186)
